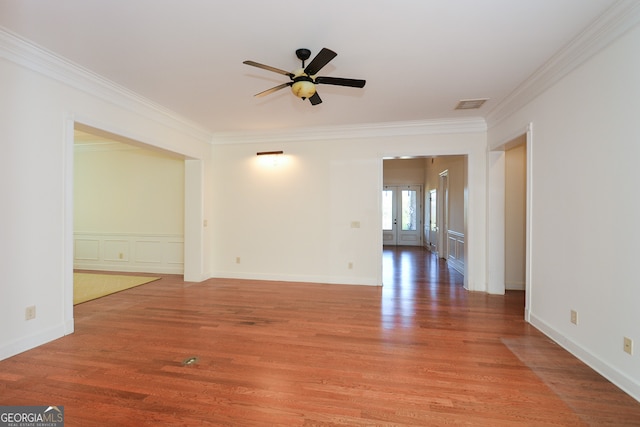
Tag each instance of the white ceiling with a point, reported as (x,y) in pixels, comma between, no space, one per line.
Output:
(419,57)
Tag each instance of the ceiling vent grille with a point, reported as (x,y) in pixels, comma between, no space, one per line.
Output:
(470,104)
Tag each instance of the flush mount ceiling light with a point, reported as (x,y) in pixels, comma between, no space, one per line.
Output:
(471,104)
(269,153)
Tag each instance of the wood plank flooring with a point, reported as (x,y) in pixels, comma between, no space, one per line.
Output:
(421,351)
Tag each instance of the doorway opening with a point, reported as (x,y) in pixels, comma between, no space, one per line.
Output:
(517,218)
(129,205)
(424,203)
(188,250)
(515,215)
(509,218)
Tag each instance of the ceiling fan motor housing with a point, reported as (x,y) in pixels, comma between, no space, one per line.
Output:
(303,54)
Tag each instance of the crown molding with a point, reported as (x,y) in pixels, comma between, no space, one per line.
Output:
(616,21)
(372,130)
(23,52)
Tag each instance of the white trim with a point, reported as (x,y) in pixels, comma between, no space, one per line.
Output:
(617,20)
(32,341)
(620,379)
(371,130)
(67,256)
(528,281)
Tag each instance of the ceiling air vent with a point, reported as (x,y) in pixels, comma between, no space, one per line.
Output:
(470,104)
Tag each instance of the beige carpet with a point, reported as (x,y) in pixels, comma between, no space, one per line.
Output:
(88,286)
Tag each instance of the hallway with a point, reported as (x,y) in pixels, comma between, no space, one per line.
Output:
(412,273)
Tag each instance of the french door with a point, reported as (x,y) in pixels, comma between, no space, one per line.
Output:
(402,215)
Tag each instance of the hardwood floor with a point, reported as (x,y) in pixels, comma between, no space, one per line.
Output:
(420,351)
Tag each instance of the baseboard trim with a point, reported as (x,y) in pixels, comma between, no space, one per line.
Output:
(130,269)
(515,286)
(27,343)
(619,379)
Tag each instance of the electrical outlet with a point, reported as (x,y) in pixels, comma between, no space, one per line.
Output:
(574,317)
(628,345)
(120,255)
(350,266)
(30,312)
(237,260)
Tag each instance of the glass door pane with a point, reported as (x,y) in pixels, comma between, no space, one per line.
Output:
(409,209)
(387,209)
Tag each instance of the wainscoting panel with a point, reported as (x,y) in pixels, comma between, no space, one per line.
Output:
(87,249)
(175,252)
(148,251)
(116,250)
(455,245)
(141,253)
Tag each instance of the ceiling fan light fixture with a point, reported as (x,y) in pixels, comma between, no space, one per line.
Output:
(303,80)
(303,87)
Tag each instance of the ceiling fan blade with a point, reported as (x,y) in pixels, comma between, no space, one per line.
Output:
(267,67)
(273,89)
(322,58)
(315,99)
(340,81)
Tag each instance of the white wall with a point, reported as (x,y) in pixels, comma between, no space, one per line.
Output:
(585,208)
(293,222)
(41,99)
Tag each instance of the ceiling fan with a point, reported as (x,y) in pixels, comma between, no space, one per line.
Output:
(304,80)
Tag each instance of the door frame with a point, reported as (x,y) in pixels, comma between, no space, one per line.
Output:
(442,216)
(195,268)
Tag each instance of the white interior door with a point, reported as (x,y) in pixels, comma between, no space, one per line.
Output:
(402,215)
